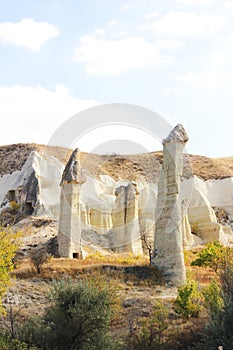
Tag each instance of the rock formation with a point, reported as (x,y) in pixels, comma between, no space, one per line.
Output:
(203,220)
(89,214)
(115,189)
(33,185)
(168,240)
(69,234)
(126,231)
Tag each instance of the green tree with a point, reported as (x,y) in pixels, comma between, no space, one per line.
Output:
(213,298)
(211,256)
(188,301)
(78,318)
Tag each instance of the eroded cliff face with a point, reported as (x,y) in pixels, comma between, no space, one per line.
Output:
(136,207)
(34,187)
(31,175)
(101,213)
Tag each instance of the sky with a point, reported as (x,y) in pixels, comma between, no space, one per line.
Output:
(174,57)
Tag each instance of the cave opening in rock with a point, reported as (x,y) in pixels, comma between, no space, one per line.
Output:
(11,195)
(28,208)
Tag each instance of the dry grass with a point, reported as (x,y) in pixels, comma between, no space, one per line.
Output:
(116,259)
(127,269)
(128,275)
(13,157)
(138,286)
(212,168)
(203,275)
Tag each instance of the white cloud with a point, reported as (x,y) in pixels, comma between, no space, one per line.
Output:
(174,91)
(209,78)
(113,23)
(121,34)
(228,41)
(196,2)
(218,58)
(188,24)
(99,31)
(27,33)
(113,57)
(228,5)
(152,15)
(126,7)
(169,44)
(33,113)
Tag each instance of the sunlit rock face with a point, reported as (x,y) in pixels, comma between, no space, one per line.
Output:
(69,234)
(170,220)
(35,187)
(108,202)
(126,230)
(91,208)
(208,195)
(127,203)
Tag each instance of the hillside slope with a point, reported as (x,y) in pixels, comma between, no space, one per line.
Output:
(13,157)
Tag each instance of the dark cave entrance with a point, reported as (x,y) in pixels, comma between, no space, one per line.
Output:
(28,208)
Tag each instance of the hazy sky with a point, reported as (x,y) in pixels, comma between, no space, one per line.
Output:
(174,57)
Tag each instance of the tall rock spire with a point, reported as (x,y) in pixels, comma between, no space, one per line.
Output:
(69,234)
(73,172)
(168,242)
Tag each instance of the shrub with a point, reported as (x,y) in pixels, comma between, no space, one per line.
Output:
(213,298)
(38,258)
(188,301)
(211,256)
(154,330)
(78,318)
(7,343)
(8,246)
(219,331)
(14,206)
(153,333)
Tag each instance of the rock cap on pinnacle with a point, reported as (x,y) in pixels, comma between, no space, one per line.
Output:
(73,172)
(178,134)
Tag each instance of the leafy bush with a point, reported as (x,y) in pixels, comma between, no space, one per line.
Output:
(153,333)
(14,206)
(219,331)
(38,258)
(8,246)
(7,343)
(188,301)
(211,256)
(213,298)
(78,318)
(154,329)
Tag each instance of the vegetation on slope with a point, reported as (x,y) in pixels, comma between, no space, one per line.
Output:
(149,315)
(8,246)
